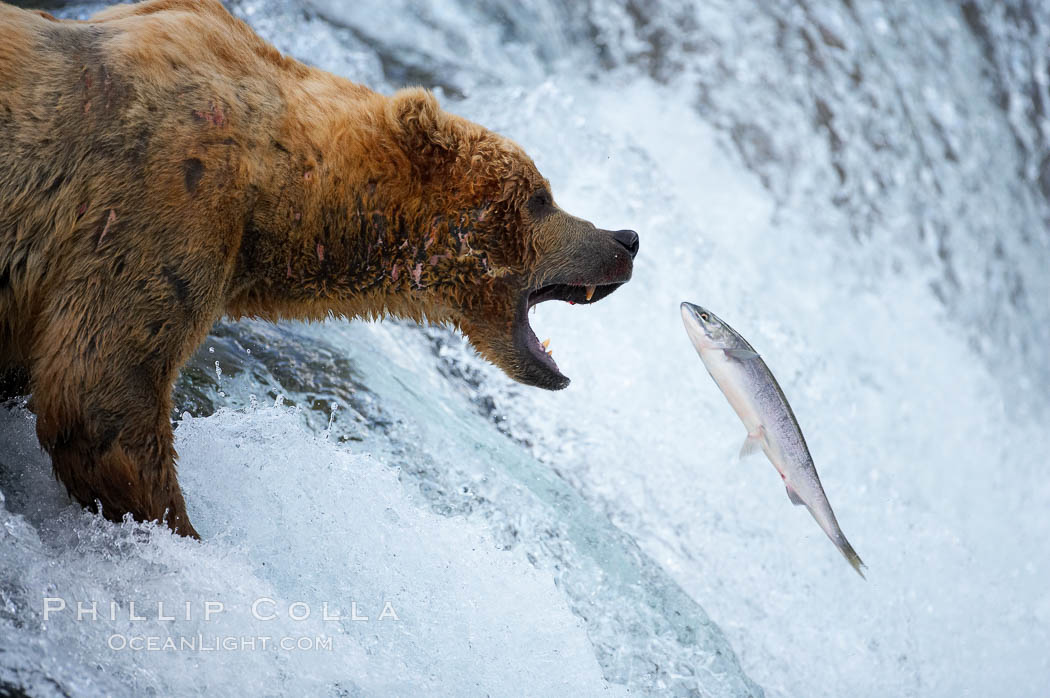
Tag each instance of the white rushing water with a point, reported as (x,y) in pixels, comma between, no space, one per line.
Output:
(857,189)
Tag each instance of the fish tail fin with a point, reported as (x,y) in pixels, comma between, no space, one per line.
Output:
(851,556)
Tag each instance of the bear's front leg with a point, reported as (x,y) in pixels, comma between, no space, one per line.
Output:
(101,390)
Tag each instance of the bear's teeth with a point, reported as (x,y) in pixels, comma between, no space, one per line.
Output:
(546,343)
(590,292)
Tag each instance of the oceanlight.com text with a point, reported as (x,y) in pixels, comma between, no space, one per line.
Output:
(218,643)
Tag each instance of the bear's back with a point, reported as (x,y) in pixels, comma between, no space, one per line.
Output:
(157,37)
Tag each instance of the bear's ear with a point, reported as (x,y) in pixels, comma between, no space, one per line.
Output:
(423,128)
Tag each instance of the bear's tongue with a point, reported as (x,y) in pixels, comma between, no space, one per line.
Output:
(541,350)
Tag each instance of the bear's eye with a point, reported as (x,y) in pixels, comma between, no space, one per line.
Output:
(540,204)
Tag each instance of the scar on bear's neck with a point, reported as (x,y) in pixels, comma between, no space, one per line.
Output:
(364,251)
(403,254)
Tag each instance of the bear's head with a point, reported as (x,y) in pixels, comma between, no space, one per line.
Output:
(510,245)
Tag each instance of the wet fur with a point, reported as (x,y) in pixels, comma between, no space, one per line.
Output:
(162,166)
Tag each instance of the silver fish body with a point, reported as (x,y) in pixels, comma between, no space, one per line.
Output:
(755,395)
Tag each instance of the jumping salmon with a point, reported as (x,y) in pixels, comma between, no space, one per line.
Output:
(754,393)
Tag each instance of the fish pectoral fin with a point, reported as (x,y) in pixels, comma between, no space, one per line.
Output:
(741,354)
(752,444)
(793,496)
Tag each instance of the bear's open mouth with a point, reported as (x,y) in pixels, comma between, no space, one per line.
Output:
(543,371)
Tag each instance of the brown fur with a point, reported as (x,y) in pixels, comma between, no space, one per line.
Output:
(162,166)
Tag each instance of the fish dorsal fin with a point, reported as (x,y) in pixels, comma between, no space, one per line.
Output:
(741,354)
(752,444)
(793,496)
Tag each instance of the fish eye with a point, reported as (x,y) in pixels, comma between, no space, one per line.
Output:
(705,317)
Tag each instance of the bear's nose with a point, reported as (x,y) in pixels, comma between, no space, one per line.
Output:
(627,238)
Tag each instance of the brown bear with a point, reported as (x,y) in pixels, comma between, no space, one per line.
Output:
(162,166)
